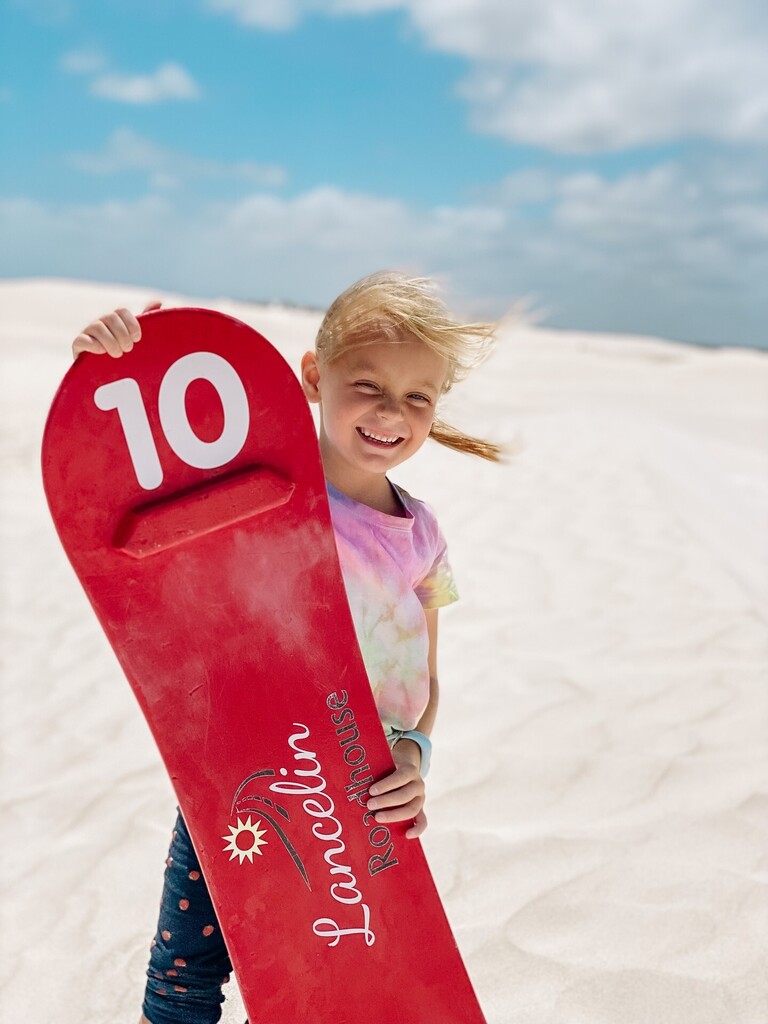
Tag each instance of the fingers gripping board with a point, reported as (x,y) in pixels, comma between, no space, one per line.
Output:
(186,486)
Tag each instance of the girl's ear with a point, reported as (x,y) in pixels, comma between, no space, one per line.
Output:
(310,376)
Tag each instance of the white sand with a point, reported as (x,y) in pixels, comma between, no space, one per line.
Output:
(599,796)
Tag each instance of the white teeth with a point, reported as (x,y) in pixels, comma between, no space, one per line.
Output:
(378,437)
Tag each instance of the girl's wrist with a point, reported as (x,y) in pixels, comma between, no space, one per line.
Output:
(424,745)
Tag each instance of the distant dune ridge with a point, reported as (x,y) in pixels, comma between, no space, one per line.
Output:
(598,802)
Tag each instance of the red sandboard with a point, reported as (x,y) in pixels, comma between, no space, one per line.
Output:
(186,486)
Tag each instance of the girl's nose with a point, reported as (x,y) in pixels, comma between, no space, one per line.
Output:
(389,408)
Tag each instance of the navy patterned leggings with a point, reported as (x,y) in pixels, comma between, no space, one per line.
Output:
(188,961)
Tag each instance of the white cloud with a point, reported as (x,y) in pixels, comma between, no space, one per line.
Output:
(676,250)
(585,75)
(169,82)
(267,14)
(83,62)
(47,12)
(125,150)
(279,15)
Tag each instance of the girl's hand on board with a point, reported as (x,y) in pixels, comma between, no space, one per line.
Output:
(401,794)
(112,334)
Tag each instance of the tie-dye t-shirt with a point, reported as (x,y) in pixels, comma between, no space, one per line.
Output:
(394,567)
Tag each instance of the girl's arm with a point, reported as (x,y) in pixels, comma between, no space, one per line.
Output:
(427,720)
(400,795)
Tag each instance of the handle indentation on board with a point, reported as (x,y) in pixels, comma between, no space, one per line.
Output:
(224,501)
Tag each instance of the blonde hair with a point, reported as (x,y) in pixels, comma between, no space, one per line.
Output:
(388,304)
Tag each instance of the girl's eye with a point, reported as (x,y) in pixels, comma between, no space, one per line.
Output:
(366,385)
(419,398)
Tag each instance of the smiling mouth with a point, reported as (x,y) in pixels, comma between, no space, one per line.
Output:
(379,440)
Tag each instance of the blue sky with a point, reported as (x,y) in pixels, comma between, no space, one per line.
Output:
(605,163)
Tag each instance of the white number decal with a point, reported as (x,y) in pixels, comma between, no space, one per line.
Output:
(173,416)
(125,396)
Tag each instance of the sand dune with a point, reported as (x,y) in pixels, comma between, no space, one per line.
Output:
(599,797)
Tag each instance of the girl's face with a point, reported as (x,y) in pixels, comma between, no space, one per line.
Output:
(377,404)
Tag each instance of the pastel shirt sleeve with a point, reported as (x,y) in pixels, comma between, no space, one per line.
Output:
(438,588)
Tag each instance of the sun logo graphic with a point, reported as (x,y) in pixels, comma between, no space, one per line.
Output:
(245,839)
(254,796)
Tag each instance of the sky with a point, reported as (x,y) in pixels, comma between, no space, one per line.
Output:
(601,164)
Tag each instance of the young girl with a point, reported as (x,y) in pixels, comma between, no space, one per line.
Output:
(385,354)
